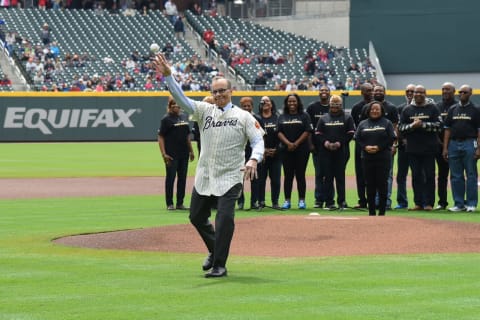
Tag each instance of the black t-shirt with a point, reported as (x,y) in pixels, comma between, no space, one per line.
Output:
(391,112)
(443,107)
(377,132)
(463,121)
(357,110)
(316,110)
(294,125)
(175,130)
(334,128)
(423,140)
(270,127)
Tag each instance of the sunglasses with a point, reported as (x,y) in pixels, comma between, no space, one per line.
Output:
(219,91)
(463,92)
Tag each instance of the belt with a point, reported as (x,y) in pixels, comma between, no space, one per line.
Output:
(462,139)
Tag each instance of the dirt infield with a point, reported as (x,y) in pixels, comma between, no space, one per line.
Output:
(275,235)
(303,236)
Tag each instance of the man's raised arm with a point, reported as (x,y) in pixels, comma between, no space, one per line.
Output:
(162,66)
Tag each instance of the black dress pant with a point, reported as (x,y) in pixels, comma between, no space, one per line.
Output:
(359,177)
(376,170)
(423,178)
(442,178)
(295,165)
(216,239)
(335,170)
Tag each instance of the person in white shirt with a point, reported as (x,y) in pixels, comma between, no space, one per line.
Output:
(171,11)
(221,169)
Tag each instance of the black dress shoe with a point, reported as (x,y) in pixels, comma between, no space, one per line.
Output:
(208,263)
(217,272)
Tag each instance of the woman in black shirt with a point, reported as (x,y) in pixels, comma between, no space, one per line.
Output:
(294,127)
(271,165)
(376,135)
(176,149)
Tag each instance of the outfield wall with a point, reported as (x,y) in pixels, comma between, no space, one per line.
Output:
(51,117)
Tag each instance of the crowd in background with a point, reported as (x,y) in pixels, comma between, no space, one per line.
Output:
(45,64)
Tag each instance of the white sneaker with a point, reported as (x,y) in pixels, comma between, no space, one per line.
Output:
(471,209)
(456,209)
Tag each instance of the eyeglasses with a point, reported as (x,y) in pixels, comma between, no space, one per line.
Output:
(219,91)
(409,91)
(420,92)
(463,92)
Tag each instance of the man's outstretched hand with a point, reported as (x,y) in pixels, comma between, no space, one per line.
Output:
(161,65)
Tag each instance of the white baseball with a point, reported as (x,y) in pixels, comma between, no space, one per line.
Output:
(154,48)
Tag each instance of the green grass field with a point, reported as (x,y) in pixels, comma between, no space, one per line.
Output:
(42,280)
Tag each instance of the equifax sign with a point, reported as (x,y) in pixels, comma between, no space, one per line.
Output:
(47,120)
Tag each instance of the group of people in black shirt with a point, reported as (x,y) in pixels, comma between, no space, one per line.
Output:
(420,131)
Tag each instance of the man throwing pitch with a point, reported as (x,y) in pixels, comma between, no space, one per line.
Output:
(221,169)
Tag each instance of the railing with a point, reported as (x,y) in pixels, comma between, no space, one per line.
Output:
(372,54)
(261,8)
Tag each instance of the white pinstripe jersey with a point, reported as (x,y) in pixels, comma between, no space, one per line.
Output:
(224,136)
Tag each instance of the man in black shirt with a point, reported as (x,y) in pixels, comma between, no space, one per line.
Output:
(391,113)
(316,110)
(419,124)
(402,156)
(460,148)
(356,113)
(448,100)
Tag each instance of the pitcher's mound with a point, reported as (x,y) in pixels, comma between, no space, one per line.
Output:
(303,236)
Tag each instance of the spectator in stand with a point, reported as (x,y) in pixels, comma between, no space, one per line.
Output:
(178,49)
(129,81)
(271,165)
(45,33)
(5,81)
(148,84)
(10,42)
(461,149)
(197,9)
(42,4)
(225,52)
(322,55)
(333,133)
(331,85)
(167,50)
(179,28)
(268,74)
(260,82)
(171,11)
(303,85)
(402,158)
(353,68)
(291,86)
(419,124)
(294,127)
(176,149)
(356,113)
(30,66)
(291,56)
(221,7)
(376,135)
(448,100)
(209,38)
(349,86)
(316,110)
